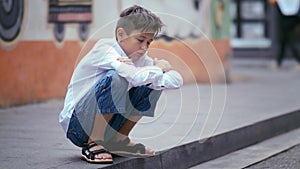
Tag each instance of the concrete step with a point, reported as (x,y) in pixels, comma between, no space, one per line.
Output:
(191,154)
(254,154)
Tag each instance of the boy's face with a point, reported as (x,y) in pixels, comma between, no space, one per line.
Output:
(136,44)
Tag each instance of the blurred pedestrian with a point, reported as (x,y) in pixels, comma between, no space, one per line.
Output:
(288,19)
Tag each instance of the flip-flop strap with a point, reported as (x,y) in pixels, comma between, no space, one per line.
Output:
(91,154)
(95,143)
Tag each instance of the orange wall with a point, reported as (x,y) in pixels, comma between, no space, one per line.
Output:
(197,60)
(38,70)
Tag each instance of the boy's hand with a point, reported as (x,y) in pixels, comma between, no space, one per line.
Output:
(125,60)
(162,64)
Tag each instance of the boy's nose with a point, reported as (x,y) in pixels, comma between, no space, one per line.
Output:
(144,47)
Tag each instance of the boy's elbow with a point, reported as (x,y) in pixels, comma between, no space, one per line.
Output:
(179,81)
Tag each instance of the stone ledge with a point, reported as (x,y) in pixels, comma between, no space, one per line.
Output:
(191,154)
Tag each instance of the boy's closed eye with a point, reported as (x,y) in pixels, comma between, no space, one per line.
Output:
(141,40)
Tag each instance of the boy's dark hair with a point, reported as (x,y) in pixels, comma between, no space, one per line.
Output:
(139,18)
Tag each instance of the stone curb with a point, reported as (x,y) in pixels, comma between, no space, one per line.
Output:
(191,154)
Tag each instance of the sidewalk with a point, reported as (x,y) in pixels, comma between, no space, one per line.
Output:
(254,102)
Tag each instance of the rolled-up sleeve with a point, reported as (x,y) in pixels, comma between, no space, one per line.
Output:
(170,80)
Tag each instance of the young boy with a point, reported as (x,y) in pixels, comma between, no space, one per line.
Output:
(113,86)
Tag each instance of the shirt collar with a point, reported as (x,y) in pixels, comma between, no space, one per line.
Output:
(119,49)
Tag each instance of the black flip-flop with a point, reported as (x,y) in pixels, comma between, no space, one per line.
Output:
(122,148)
(89,155)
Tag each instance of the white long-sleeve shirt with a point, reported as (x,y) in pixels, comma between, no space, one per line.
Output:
(103,57)
(289,7)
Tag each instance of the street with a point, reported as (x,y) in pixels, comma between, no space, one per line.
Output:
(287,159)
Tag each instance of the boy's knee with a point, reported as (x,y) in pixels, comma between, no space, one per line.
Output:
(112,79)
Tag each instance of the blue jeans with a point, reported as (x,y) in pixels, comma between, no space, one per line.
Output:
(110,96)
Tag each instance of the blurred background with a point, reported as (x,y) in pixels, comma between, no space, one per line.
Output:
(41,41)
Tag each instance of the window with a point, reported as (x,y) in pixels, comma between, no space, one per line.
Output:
(249,27)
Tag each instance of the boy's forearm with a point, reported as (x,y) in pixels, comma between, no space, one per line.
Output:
(150,75)
(138,76)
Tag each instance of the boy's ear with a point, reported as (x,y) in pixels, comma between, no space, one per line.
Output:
(121,34)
